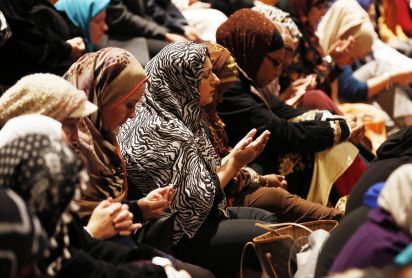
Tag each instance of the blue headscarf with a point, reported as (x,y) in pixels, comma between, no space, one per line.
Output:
(365,4)
(81,12)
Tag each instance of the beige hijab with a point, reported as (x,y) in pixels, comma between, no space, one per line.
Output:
(396,197)
(41,93)
(343,19)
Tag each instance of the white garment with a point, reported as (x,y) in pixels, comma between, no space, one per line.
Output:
(30,124)
(204,20)
(396,196)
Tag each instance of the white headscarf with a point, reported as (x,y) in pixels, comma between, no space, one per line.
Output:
(345,18)
(396,197)
(30,124)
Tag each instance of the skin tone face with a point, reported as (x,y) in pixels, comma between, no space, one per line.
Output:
(113,118)
(208,84)
(98,27)
(315,14)
(270,68)
(71,129)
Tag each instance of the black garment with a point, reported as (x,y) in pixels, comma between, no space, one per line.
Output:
(218,243)
(241,110)
(39,39)
(148,19)
(94,258)
(338,238)
(394,152)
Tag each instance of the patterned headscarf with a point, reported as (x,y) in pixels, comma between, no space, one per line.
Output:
(22,239)
(29,124)
(81,13)
(41,93)
(277,15)
(225,68)
(166,142)
(343,19)
(109,77)
(396,197)
(46,175)
(249,36)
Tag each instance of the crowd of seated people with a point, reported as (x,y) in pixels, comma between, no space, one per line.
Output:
(156,138)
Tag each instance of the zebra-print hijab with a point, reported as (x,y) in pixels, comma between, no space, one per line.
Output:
(166,142)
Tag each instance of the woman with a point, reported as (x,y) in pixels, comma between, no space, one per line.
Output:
(43,40)
(388,229)
(374,81)
(114,81)
(296,136)
(47,175)
(167,144)
(89,16)
(309,57)
(248,188)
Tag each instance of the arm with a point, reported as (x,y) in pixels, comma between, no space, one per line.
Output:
(352,89)
(241,110)
(167,15)
(123,21)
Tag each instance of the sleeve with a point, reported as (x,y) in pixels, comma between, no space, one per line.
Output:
(351,89)
(242,111)
(404,16)
(135,209)
(123,21)
(165,13)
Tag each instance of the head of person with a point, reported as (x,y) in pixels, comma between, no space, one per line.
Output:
(285,25)
(29,124)
(46,174)
(89,15)
(114,81)
(344,19)
(395,197)
(48,95)
(21,237)
(5,32)
(255,43)
(224,67)
(181,80)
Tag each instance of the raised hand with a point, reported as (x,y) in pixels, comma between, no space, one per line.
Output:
(156,202)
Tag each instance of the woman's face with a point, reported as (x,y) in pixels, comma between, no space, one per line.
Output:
(113,118)
(98,27)
(70,128)
(270,68)
(316,13)
(208,84)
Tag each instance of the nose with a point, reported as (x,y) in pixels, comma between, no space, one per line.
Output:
(74,135)
(215,80)
(105,27)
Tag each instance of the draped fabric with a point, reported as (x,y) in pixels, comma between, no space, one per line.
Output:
(345,18)
(81,13)
(396,195)
(46,175)
(22,240)
(108,76)
(166,143)
(29,124)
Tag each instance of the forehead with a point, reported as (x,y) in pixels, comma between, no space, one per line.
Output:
(208,63)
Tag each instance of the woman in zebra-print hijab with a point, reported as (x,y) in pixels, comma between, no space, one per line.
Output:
(167,144)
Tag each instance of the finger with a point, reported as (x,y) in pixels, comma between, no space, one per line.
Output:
(158,205)
(121,216)
(125,233)
(114,208)
(280,177)
(123,225)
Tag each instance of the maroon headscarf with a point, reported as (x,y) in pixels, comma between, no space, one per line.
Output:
(249,36)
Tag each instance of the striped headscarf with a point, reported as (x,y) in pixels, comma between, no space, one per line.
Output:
(166,143)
